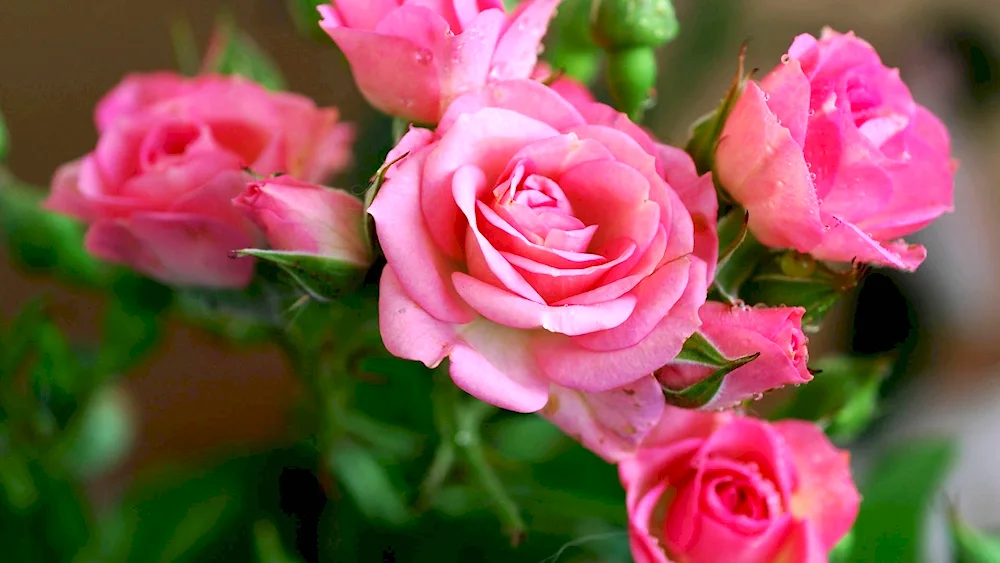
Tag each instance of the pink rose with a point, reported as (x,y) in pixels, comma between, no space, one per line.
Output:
(171,156)
(411,58)
(831,156)
(301,217)
(736,332)
(718,488)
(541,251)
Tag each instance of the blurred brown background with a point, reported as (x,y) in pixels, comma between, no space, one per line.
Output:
(58,57)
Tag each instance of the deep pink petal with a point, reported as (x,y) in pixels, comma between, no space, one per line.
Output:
(826,495)
(762,167)
(174,248)
(394,74)
(507,309)
(845,242)
(788,92)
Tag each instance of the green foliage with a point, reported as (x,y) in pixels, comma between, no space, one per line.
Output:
(232,51)
(4,139)
(306,18)
(970,545)
(319,277)
(707,131)
(842,397)
(42,241)
(898,493)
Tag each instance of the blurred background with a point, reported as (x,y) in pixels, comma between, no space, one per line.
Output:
(198,402)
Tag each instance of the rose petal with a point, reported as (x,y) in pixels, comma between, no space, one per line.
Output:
(610,424)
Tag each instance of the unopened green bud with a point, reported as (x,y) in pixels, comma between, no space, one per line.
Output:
(618,24)
(632,79)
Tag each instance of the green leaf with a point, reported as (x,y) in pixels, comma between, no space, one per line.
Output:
(368,484)
(797,280)
(257,312)
(44,241)
(306,18)
(232,51)
(132,322)
(898,495)
(971,545)
(4,139)
(101,436)
(702,393)
(176,516)
(17,483)
(707,131)
(322,278)
(529,439)
(267,540)
(842,397)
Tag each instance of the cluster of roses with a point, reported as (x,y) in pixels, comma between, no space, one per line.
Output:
(552,249)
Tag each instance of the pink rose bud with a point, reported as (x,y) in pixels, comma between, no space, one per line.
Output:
(172,152)
(831,156)
(714,487)
(300,217)
(411,58)
(543,247)
(737,332)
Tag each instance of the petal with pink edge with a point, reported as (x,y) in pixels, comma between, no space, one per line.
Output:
(847,243)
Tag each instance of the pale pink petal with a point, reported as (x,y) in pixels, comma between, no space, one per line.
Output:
(493,364)
(465,58)
(526,97)
(570,365)
(486,140)
(611,424)
(408,246)
(408,331)
(507,309)
(517,51)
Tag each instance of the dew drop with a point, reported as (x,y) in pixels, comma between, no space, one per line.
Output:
(767,96)
(812,112)
(812,176)
(785,59)
(423,56)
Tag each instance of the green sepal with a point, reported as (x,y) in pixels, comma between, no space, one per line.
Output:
(739,255)
(706,132)
(569,44)
(842,397)
(321,277)
(702,393)
(232,51)
(797,280)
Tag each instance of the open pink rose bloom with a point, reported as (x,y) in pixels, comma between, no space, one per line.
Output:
(831,156)
(172,153)
(545,250)
(718,488)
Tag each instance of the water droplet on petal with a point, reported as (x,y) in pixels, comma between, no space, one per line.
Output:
(785,59)
(423,56)
(812,176)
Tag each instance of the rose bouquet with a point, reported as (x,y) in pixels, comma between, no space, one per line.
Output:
(522,248)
